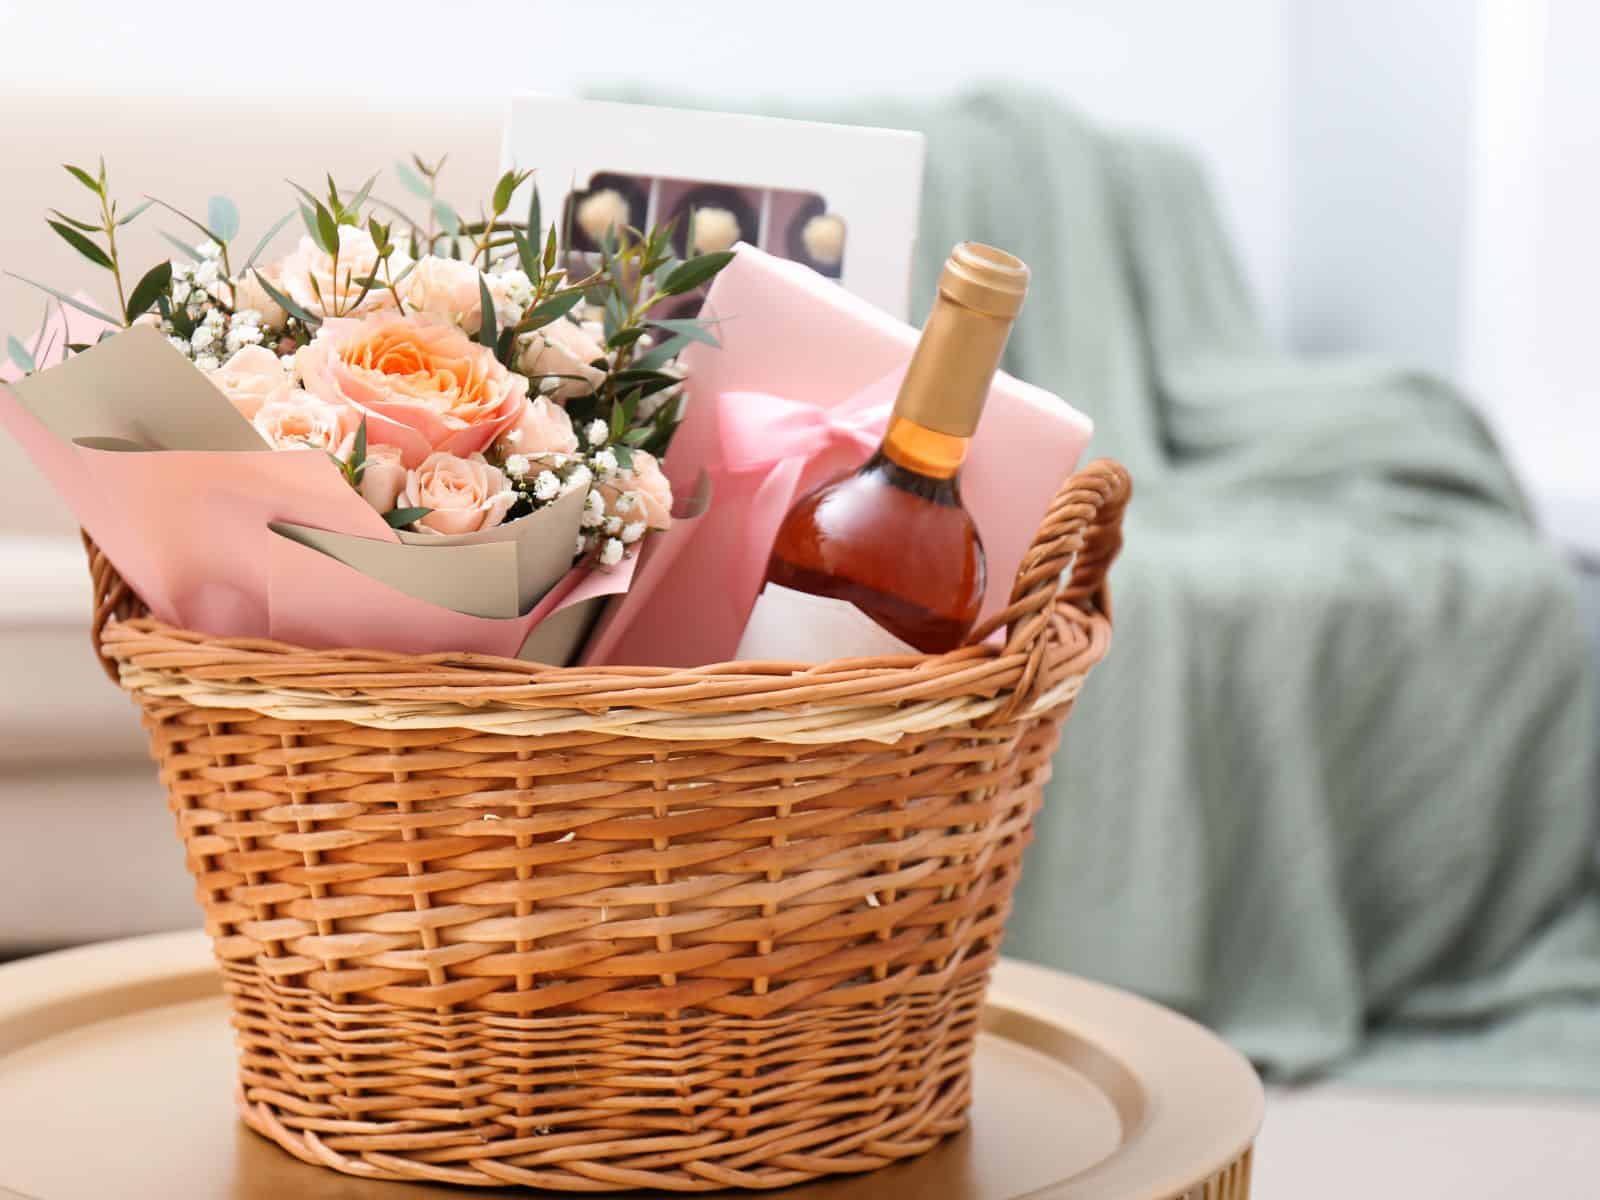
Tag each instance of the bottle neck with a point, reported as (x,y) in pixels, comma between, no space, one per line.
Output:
(921,450)
(952,368)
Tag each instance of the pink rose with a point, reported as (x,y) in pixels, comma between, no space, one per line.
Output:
(422,384)
(298,420)
(562,348)
(444,287)
(543,428)
(651,492)
(251,378)
(383,478)
(465,494)
(306,276)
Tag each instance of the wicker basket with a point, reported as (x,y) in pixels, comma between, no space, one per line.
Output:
(589,929)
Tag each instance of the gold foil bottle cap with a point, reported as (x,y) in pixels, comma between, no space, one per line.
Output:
(985,279)
(980,293)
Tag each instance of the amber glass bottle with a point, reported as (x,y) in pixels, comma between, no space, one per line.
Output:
(892,538)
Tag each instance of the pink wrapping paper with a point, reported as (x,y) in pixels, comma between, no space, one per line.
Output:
(800,392)
(349,609)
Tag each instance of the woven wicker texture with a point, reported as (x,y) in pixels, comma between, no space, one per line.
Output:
(488,922)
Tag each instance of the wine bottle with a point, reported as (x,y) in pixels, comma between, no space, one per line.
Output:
(885,559)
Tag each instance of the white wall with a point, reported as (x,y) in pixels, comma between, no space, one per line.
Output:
(1210,74)
(1379,133)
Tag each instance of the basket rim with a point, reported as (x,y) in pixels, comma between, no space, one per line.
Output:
(1023,659)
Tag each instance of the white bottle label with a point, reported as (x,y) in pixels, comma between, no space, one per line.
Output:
(791,626)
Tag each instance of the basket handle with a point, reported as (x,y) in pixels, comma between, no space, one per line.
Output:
(1083,527)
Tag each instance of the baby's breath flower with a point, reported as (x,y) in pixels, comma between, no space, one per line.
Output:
(580,478)
(512,437)
(596,432)
(208,249)
(202,338)
(625,501)
(632,532)
(605,464)
(207,362)
(243,335)
(613,525)
(594,510)
(205,272)
(583,544)
(611,552)
(181,290)
(181,346)
(247,316)
(517,466)
(547,486)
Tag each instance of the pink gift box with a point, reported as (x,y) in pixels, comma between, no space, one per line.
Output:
(799,392)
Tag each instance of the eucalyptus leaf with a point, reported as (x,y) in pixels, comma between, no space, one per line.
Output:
(81,244)
(361,195)
(525,254)
(358,452)
(86,226)
(288,305)
(550,310)
(329,228)
(535,217)
(156,282)
(18,354)
(266,239)
(625,337)
(488,332)
(132,216)
(178,212)
(449,220)
(502,191)
(695,272)
(399,518)
(550,249)
(222,216)
(66,299)
(624,456)
(189,251)
(662,354)
(411,181)
(83,177)
(694,330)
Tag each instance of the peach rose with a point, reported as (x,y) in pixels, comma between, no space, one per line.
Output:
(298,420)
(543,428)
(383,478)
(650,489)
(562,348)
(444,287)
(422,384)
(251,378)
(306,276)
(465,494)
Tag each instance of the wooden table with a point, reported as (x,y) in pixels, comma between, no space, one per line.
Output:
(116,1076)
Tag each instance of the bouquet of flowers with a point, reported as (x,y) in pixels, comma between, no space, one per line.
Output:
(463,374)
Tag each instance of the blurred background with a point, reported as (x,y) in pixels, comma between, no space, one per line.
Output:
(1322,274)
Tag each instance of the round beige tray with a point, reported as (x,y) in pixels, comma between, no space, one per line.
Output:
(116,1068)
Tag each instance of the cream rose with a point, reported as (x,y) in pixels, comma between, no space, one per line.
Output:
(444,287)
(465,494)
(562,348)
(422,384)
(298,420)
(383,478)
(307,275)
(652,494)
(249,294)
(251,378)
(543,428)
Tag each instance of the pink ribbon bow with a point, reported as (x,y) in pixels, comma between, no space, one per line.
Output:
(758,429)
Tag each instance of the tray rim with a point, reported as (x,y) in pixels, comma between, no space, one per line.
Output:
(1163,1051)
